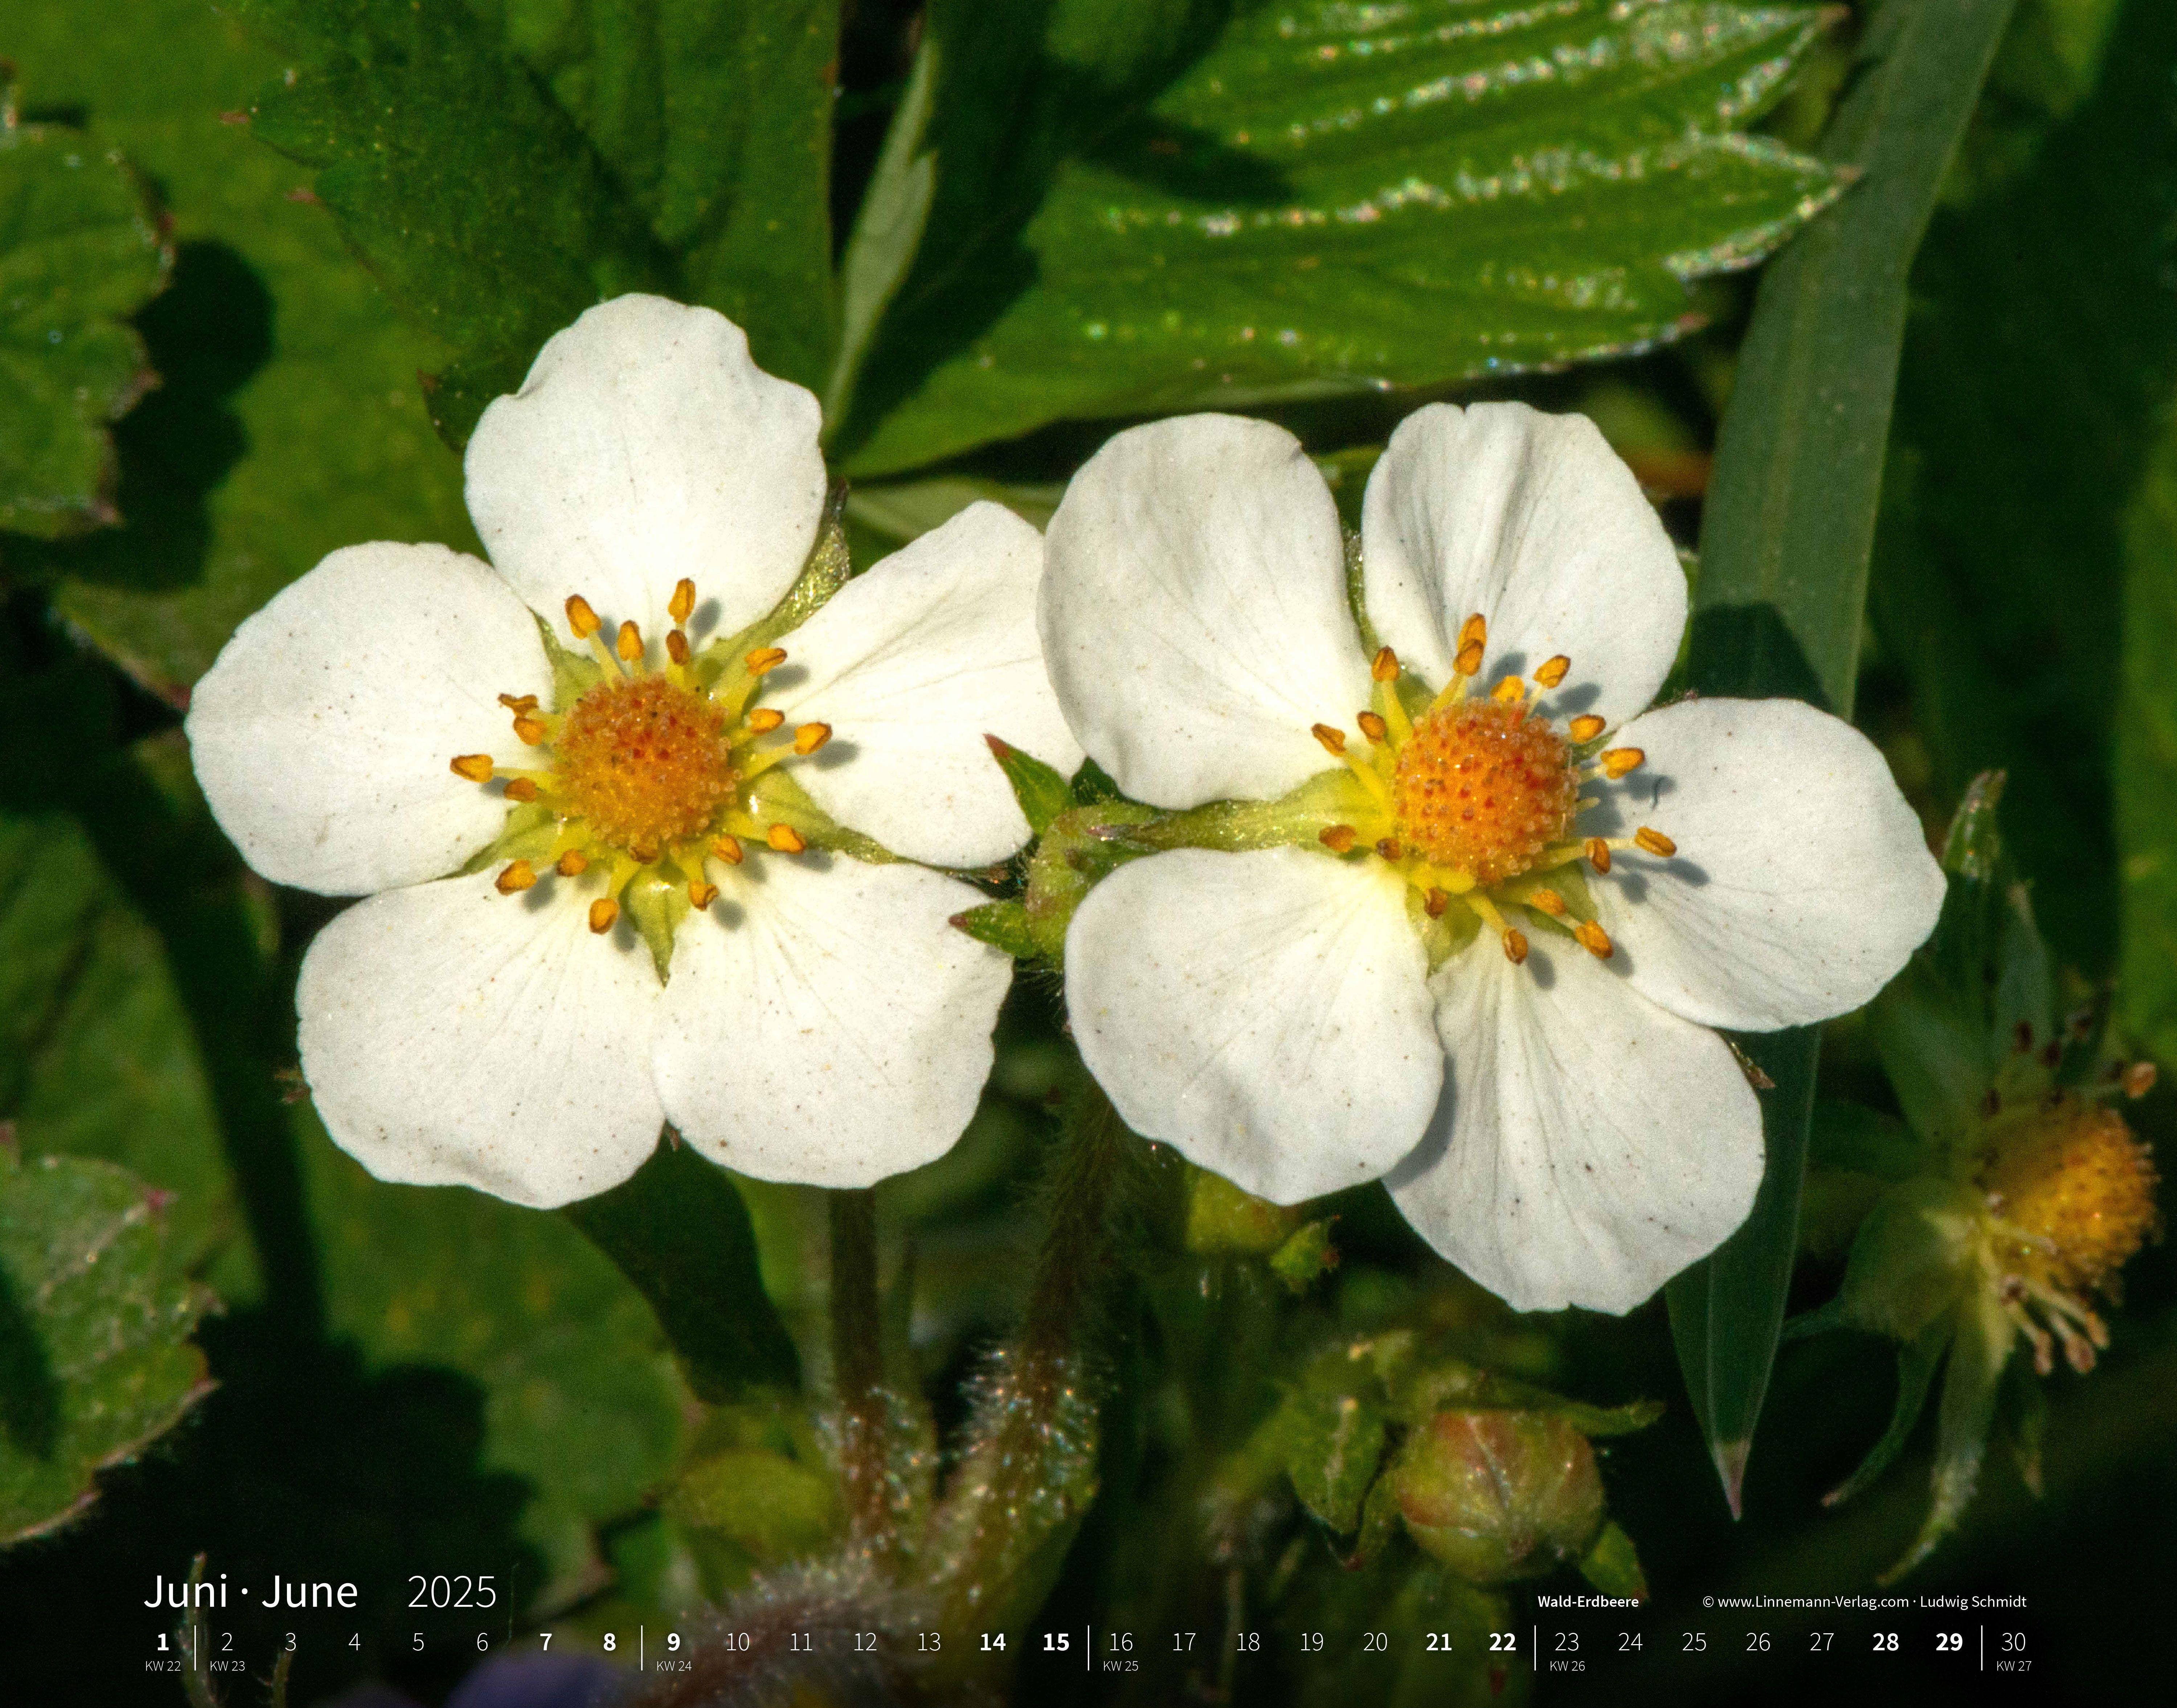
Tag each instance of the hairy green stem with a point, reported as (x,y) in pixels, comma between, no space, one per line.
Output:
(858,1368)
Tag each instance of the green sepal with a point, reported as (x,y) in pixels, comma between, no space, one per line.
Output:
(1042,792)
(1916,1360)
(1915,1255)
(1079,847)
(1334,1446)
(1093,785)
(655,906)
(1612,1565)
(1306,1256)
(1003,925)
(830,566)
(1978,1352)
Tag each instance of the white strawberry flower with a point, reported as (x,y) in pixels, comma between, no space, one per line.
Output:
(1475,943)
(689,756)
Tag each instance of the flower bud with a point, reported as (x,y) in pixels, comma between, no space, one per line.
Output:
(1224,1222)
(1499,1495)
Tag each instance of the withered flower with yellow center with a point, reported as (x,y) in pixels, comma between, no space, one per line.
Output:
(636,819)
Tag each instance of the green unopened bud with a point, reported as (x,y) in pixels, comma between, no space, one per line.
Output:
(1499,1495)
(1223,1221)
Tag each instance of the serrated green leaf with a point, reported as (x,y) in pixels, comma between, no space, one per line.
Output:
(1042,791)
(1333,1443)
(287,421)
(477,202)
(95,1360)
(1163,207)
(679,1230)
(1785,543)
(80,252)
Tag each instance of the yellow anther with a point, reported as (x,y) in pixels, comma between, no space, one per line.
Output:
(572,864)
(1516,946)
(475,767)
(1655,843)
(728,850)
(1473,632)
(1333,740)
(1339,838)
(682,605)
(2139,1079)
(1388,847)
(518,703)
(1468,661)
(519,875)
(1552,670)
(1586,727)
(1373,728)
(701,895)
(1598,853)
(676,647)
(1384,666)
(644,853)
(1549,901)
(630,643)
(1594,939)
(810,737)
(785,838)
(1510,688)
(603,912)
(522,789)
(580,618)
(531,730)
(1617,761)
(765,659)
(765,719)
(1435,902)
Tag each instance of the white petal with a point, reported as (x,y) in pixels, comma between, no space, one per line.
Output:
(324,731)
(824,1023)
(912,665)
(1533,522)
(645,446)
(1802,882)
(1588,1146)
(1267,1013)
(1194,614)
(452,1035)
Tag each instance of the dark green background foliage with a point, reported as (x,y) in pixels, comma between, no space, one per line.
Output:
(324,232)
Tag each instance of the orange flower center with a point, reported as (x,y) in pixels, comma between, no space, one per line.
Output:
(1483,788)
(2082,1187)
(645,762)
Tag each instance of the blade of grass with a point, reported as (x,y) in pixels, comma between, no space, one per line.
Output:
(1784,553)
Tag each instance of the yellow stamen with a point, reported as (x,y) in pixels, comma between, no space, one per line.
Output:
(810,737)
(475,767)
(522,789)
(518,703)
(1598,853)
(785,838)
(682,605)
(1617,761)
(1388,847)
(1553,671)
(1473,632)
(1468,663)
(765,719)
(1384,667)
(701,895)
(603,912)
(531,730)
(1594,939)
(1549,901)
(1374,728)
(728,850)
(1516,946)
(572,864)
(630,644)
(519,875)
(1586,727)
(676,645)
(1655,843)
(1339,838)
(1333,740)
(1510,688)
(765,659)
(580,618)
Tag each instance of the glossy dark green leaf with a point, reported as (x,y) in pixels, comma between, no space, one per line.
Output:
(1785,543)
(81,252)
(679,1231)
(1149,208)
(96,1358)
(286,422)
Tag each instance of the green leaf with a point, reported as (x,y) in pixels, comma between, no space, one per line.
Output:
(1334,1444)
(1785,542)
(1853,1137)
(715,117)
(582,1398)
(1156,208)
(679,1230)
(775,1508)
(1042,792)
(1917,1362)
(887,230)
(482,208)
(80,252)
(95,1360)
(287,421)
